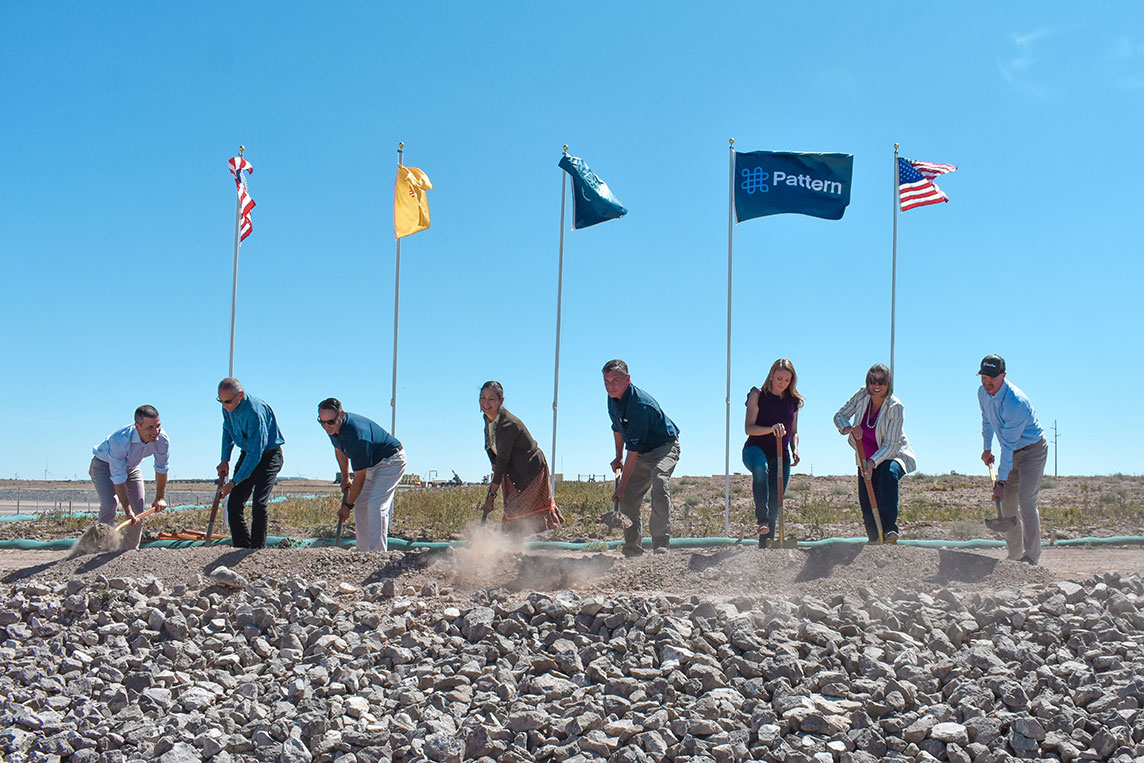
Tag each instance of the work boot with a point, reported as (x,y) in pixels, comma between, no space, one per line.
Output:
(632,551)
(891,537)
(660,544)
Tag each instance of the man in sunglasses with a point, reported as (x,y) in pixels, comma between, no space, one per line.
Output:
(1007,413)
(250,424)
(378,462)
(116,475)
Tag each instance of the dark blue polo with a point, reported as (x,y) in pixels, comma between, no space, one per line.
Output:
(638,417)
(364,442)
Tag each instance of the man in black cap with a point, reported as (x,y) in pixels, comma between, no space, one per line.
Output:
(1007,413)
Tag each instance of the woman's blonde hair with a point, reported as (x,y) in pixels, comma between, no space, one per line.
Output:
(782,364)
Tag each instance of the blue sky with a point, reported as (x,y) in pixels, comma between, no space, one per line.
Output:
(117,219)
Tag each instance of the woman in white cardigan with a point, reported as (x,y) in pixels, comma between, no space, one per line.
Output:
(875,416)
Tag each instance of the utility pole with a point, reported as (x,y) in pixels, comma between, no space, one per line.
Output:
(1055,436)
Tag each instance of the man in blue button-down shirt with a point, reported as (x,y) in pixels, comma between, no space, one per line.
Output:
(652,440)
(116,475)
(1007,413)
(248,423)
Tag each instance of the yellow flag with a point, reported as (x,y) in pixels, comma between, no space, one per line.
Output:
(410,205)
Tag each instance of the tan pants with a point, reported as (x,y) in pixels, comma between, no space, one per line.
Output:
(652,470)
(100,473)
(1020,500)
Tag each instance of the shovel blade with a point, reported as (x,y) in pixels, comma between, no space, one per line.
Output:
(615,520)
(1001,524)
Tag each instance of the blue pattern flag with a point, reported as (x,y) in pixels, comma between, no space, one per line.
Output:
(788,182)
(592,201)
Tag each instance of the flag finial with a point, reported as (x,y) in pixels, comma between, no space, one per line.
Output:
(400,144)
(732,142)
(565,148)
(896,146)
(241,149)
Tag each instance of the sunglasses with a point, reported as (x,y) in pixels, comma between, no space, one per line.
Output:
(327,422)
(228,401)
(876,380)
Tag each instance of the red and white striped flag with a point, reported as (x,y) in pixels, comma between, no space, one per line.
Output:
(245,203)
(915,182)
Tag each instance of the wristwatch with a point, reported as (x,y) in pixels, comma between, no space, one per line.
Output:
(347,503)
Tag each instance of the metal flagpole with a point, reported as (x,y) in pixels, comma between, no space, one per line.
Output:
(559,296)
(237,244)
(894,265)
(727,444)
(396,297)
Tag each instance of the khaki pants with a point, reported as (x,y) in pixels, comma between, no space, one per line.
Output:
(652,470)
(373,510)
(1020,500)
(100,474)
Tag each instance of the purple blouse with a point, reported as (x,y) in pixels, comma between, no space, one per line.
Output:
(774,410)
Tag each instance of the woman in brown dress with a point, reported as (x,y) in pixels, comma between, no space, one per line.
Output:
(519,467)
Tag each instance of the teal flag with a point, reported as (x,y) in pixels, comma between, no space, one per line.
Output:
(786,182)
(592,201)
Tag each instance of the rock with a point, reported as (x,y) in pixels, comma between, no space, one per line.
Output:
(180,752)
(950,733)
(225,576)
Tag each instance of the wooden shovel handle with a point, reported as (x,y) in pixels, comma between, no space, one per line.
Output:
(119,527)
(869,484)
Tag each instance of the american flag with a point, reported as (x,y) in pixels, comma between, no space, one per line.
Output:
(915,182)
(245,203)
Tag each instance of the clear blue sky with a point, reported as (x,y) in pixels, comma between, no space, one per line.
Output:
(117,219)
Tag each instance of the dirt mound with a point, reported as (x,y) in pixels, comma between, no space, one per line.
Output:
(729,572)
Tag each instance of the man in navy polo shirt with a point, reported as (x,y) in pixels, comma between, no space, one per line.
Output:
(652,440)
(378,462)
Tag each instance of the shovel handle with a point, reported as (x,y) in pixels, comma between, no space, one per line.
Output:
(869,484)
(992,473)
(214,513)
(119,527)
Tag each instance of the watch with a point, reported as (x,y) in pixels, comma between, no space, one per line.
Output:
(347,503)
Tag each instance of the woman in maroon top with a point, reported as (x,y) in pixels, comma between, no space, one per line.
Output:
(771,412)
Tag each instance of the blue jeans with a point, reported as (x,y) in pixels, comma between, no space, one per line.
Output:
(885,480)
(764,485)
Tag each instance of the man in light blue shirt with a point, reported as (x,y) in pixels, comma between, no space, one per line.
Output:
(116,475)
(1007,414)
(250,424)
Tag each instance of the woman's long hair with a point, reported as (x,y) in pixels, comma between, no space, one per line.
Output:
(782,364)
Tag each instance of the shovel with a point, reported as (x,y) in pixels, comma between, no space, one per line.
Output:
(869,485)
(119,527)
(214,513)
(615,519)
(999,524)
(784,542)
(101,538)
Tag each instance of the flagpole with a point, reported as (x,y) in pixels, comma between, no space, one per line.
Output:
(396,299)
(894,261)
(237,244)
(727,444)
(559,299)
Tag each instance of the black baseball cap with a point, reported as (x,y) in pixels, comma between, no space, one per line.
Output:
(992,366)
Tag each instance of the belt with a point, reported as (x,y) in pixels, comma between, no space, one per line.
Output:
(1033,445)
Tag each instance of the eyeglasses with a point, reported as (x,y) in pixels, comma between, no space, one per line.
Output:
(327,422)
(228,401)
(879,380)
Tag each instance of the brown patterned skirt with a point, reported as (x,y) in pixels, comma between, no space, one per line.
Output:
(531,510)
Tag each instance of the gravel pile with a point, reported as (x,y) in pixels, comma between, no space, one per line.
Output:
(241,666)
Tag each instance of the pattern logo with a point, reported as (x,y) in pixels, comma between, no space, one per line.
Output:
(755,180)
